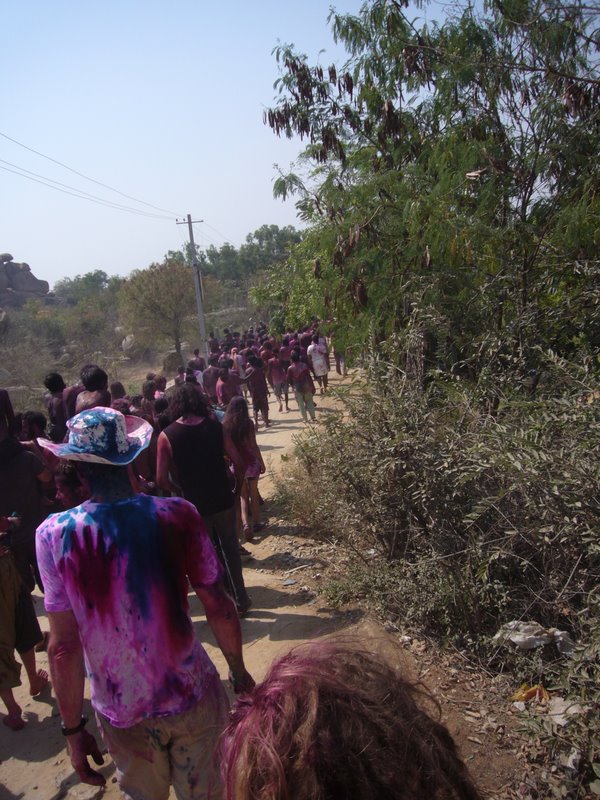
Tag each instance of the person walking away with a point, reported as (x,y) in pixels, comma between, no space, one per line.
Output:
(197,363)
(22,474)
(191,462)
(259,390)
(210,377)
(277,377)
(116,570)
(317,359)
(95,388)
(238,427)
(19,630)
(298,376)
(54,403)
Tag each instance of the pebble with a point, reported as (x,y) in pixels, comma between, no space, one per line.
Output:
(289,582)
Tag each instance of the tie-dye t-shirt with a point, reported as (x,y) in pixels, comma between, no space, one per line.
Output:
(123,569)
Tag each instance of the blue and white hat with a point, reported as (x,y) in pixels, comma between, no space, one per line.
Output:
(103,435)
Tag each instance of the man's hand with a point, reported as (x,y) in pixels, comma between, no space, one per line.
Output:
(80,746)
(242,682)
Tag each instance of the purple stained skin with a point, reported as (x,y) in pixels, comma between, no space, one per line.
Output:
(123,570)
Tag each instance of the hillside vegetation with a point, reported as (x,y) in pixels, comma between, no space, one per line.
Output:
(450,186)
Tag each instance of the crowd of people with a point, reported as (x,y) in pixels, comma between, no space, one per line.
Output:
(114,505)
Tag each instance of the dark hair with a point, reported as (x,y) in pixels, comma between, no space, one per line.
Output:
(295,355)
(94,378)
(237,422)
(255,361)
(197,351)
(35,418)
(66,473)
(148,389)
(122,405)
(54,382)
(135,400)
(117,390)
(150,376)
(160,405)
(315,339)
(332,720)
(213,361)
(188,400)
(180,369)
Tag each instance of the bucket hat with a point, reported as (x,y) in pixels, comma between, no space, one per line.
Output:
(102,435)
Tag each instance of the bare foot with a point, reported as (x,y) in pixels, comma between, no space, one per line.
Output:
(42,646)
(14,720)
(39,683)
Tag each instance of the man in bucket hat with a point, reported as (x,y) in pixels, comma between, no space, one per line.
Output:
(116,571)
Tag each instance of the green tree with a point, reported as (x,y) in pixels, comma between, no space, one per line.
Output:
(453,172)
(159,301)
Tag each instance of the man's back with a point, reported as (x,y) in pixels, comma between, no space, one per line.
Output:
(122,568)
(199,457)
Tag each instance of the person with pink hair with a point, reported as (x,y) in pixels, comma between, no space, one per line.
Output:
(332,720)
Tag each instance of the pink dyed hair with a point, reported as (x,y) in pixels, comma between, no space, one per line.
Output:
(332,721)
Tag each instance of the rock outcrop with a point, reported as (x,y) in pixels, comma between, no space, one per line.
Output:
(18,284)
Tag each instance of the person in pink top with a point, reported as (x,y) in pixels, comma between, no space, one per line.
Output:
(277,377)
(299,377)
(228,384)
(116,570)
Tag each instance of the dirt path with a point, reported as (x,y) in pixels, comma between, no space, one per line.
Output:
(286,611)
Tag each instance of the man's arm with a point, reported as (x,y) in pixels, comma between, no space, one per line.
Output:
(66,667)
(164,462)
(222,616)
(236,459)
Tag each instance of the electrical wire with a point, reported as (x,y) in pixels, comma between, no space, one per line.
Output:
(87,178)
(79,191)
(225,238)
(107,204)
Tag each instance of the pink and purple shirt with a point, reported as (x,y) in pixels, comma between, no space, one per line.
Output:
(122,568)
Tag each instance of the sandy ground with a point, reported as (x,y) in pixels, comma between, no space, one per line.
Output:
(286,611)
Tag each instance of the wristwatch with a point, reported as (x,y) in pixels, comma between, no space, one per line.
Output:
(76,729)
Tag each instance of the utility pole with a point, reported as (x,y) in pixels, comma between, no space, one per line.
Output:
(197,284)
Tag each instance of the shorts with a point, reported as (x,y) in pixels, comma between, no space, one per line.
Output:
(260,404)
(280,389)
(176,749)
(19,628)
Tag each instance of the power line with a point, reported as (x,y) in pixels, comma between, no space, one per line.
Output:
(87,178)
(79,192)
(105,203)
(225,238)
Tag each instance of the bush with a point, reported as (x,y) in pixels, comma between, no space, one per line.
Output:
(458,520)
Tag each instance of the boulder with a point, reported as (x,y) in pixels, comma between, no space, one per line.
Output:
(18,284)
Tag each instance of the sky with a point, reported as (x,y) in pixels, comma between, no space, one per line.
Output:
(162,101)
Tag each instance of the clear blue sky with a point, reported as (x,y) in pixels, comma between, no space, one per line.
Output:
(162,101)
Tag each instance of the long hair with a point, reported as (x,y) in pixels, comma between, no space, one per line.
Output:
(334,721)
(188,400)
(237,422)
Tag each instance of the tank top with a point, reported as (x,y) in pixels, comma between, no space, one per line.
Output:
(199,458)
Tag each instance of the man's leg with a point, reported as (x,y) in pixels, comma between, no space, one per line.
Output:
(221,527)
(194,735)
(27,635)
(141,756)
(310,405)
(301,406)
